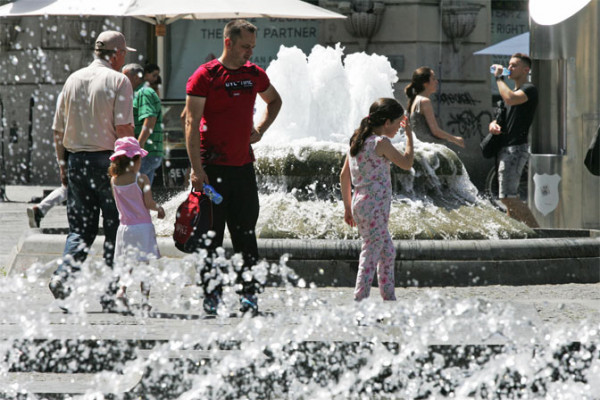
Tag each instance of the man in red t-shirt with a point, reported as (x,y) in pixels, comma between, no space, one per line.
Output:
(219,131)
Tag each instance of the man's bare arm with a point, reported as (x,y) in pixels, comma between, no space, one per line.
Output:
(511,98)
(60,156)
(274,102)
(147,129)
(194,108)
(124,130)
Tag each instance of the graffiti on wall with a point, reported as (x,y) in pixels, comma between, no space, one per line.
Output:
(468,124)
(451,99)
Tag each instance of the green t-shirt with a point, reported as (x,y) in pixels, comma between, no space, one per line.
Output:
(146,103)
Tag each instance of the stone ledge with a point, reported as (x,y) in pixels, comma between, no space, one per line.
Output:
(418,262)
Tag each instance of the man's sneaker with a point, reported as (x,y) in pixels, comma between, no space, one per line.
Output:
(109,303)
(211,303)
(57,286)
(108,300)
(249,304)
(59,290)
(35,217)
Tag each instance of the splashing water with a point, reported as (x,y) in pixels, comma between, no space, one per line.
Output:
(311,343)
(325,95)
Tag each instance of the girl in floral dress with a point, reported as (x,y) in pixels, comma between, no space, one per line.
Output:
(367,168)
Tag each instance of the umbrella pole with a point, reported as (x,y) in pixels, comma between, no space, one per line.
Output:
(161,60)
(3,197)
(160,30)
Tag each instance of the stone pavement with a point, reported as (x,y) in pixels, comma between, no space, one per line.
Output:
(177,311)
(13,217)
(177,318)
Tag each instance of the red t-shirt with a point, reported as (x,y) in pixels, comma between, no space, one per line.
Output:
(228,113)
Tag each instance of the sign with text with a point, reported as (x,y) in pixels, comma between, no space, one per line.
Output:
(506,24)
(192,43)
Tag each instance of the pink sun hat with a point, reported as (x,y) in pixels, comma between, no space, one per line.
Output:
(127,146)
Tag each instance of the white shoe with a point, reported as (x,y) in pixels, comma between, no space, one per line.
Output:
(35,217)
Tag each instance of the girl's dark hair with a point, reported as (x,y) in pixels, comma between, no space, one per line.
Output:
(419,78)
(379,112)
(121,164)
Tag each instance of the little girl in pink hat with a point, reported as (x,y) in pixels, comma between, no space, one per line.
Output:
(133,197)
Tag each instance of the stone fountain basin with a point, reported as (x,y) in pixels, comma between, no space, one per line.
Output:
(555,256)
(303,166)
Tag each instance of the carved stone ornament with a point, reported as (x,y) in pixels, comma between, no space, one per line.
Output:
(363,17)
(459,19)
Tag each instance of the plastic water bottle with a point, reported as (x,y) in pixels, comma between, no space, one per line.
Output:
(212,194)
(505,71)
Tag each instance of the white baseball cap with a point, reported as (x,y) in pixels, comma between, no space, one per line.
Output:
(111,40)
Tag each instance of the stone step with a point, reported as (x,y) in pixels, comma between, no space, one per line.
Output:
(175,372)
(56,383)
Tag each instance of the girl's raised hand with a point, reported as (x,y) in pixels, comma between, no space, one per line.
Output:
(404,121)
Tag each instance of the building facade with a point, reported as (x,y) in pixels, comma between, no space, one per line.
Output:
(37,54)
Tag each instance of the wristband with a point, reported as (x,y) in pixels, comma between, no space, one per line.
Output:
(499,78)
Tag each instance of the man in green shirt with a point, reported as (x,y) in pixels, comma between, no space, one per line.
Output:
(147,116)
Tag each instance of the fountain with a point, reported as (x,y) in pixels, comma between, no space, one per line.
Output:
(446,234)
(299,160)
(298,164)
(314,342)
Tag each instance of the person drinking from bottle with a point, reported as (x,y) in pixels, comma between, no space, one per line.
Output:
(219,132)
(521,104)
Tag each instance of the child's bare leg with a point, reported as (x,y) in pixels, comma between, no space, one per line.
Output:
(145,289)
(121,297)
(122,292)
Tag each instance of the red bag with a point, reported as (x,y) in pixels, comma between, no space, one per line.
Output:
(193,220)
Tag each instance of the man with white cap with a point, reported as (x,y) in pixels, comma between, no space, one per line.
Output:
(94,110)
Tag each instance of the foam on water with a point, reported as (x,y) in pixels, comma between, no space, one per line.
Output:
(283,215)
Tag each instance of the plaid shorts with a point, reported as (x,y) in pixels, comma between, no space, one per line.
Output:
(511,161)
